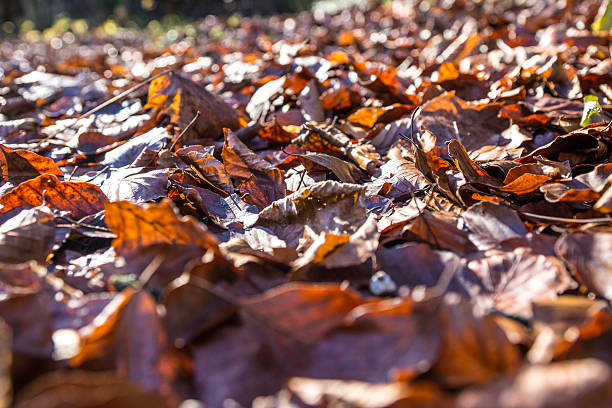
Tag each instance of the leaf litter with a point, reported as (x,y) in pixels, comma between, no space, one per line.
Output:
(394,204)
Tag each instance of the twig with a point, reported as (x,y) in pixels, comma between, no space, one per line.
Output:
(301,178)
(424,218)
(97,173)
(72,173)
(231,299)
(189,126)
(81,224)
(568,220)
(124,94)
(412,123)
(148,272)
(104,105)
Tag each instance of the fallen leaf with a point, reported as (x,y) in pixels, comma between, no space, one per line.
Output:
(192,310)
(439,231)
(491,224)
(366,116)
(448,115)
(135,184)
(29,317)
(513,280)
(263,182)
(396,341)
(248,371)
(85,389)
(334,257)
(525,184)
(474,349)
(345,171)
(261,100)
(418,265)
(326,206)
(563,384)
(93,142)
(180,98)
(472,172)
(360,394)
(207,166)
(140,345)
(22,165)
(28,236)
(302,312)
(587,256)
(403,176)
(137,226)
(78,198)
(310,102)
(139,151)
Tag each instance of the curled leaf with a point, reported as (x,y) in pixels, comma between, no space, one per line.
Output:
(181,98)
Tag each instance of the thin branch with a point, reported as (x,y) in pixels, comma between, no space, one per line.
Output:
(569,220)
(231,299)
(424,218)
(184,131)
(105,104)
(150,270)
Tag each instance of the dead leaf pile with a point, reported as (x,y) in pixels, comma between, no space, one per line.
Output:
(395,204)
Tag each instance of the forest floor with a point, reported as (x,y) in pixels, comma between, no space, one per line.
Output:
(384,205)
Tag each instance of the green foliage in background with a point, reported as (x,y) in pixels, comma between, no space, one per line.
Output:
(592,111)
(603,21)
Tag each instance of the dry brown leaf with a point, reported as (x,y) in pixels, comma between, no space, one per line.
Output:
(207,166)
(95,338)
(326,206)
(21,165)
(418,265)
(78,198)
(588,256)
(29,317)
(474,349)
(263,182)
(85,389)
(180,98)
(141,226)
(28,236)
(192,310)
(345,171)
(448,115)
(302,312)
(141,345)
(472,172)
(566,384)
(492,224)
(439,231)
(513,280)
(395,340)
(248,371)
(334,258)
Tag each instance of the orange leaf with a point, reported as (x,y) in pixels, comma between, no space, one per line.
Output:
(80,199)
(152,224)
(524,184)
(181,98)
(21,165)
(367,116)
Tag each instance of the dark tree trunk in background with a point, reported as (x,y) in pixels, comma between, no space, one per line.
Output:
(44,12)
(38,11)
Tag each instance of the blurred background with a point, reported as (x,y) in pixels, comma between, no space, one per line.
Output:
(41,14)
